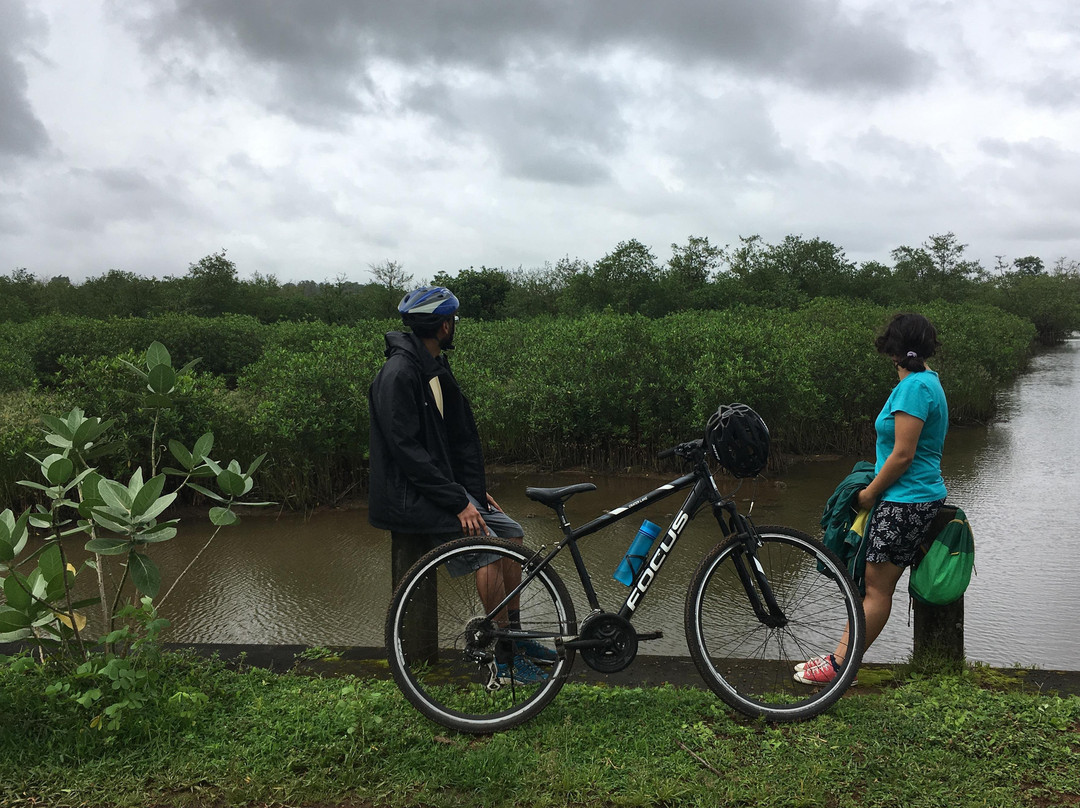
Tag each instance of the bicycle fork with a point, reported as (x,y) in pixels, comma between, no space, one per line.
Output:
(758,591)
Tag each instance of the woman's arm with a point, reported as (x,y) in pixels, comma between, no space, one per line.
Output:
(908,429)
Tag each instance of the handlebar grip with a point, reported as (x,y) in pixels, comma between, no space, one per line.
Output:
(666,453)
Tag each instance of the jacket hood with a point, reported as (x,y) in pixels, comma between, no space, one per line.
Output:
(399,343)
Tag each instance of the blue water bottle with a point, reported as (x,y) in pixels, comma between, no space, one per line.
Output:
(638,552)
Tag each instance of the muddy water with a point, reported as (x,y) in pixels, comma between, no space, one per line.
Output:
(325,580)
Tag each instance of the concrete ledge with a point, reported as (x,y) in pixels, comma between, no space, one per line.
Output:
(646,671)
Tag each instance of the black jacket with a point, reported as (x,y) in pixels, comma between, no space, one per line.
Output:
(422,463)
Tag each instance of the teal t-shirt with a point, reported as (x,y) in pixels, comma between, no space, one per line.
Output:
(917,394)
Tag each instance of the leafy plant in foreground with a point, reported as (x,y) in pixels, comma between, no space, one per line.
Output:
(123,521)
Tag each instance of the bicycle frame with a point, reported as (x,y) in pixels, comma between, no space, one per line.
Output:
(704,491)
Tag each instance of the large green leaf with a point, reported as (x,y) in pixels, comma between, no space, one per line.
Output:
(58,469)
(111,522)
(180,452)
(50,562)
(108,546)
(157,508)
(90,431)
(115,494)
(186,369)
(255,464)
(138,370)
(19,533)
(157,401)
(207,492)
(203,446)
(161,379)
(144,574)
(147,495)
(58,441)
(16,593)
(223,517)
(157,354)
(231,483)
(58,426)
(12,620)
(160,533)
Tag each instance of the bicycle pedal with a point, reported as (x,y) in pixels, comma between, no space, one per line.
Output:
(651,635)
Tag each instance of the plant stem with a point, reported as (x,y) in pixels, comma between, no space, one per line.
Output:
(153,444)
(116,600)
(67,595)
(189,566)
(99,566)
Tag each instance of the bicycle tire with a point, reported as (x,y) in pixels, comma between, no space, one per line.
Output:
(751,665)
(434,664)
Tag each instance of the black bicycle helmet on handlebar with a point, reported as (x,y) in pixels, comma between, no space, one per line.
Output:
(738,439)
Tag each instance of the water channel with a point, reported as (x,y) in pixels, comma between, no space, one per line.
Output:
(325,580)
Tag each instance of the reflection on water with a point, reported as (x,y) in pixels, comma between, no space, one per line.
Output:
(325,580)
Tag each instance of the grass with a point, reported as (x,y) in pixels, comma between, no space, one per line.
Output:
(287,739)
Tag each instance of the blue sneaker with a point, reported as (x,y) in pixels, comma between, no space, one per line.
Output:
(520,672)
(538,653)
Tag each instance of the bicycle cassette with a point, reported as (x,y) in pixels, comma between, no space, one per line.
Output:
(616,642)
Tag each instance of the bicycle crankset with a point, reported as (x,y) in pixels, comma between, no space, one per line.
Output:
(608,642)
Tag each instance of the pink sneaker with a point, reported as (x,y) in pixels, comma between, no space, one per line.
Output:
(820,671)
(813,662)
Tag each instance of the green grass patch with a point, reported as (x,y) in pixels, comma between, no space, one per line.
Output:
(261,738)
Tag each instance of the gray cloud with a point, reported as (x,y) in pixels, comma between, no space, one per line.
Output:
(1056,92)
(532,81)
(21,133)
(554,124)
(96,199)
(805,43)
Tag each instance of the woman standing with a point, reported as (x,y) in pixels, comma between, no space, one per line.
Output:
(907,488)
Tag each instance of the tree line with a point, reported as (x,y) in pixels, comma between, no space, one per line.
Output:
(629,279)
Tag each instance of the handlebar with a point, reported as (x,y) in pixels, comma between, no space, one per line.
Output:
(690,450)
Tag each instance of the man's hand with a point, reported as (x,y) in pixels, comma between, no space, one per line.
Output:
(493,503)
(472,523)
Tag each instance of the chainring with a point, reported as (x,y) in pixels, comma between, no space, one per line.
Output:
(618,642)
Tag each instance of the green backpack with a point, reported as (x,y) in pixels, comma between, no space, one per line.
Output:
(943,573)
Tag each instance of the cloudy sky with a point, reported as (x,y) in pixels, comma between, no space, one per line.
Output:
(312,139)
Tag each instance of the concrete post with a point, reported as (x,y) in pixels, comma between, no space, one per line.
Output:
(420,634)
(939,632)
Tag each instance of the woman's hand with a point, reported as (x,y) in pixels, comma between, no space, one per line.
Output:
(865,500)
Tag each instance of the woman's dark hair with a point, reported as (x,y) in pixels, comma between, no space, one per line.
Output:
(910,339)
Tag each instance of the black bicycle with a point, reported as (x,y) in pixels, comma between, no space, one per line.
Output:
(762,599)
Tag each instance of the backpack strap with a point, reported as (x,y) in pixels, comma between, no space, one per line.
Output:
(944,516)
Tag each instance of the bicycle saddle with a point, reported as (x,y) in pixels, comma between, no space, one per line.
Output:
(556,496)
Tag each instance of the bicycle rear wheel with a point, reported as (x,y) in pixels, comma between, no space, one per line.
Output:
(445,655)
(750,665)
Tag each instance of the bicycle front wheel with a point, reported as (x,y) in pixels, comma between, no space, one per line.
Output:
(460,668)
(749,661)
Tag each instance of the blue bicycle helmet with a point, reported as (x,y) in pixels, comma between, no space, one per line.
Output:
(427,306)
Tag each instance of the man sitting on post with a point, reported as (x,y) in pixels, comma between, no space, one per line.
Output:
(427,481)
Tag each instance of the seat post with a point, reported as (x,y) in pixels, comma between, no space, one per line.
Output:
(564,523)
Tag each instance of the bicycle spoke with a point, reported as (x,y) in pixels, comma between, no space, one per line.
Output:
(449,659)
(750,664)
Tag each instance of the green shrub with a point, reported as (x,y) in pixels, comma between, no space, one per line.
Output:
(225,345)
(605,390)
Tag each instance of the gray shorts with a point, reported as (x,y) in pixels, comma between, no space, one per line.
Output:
(499,525)
(897,529)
